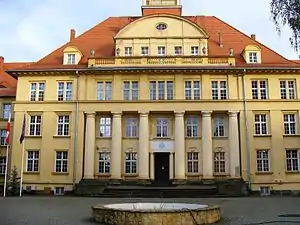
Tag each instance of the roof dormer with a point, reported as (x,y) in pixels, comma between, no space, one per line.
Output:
(72,56)
(252,54)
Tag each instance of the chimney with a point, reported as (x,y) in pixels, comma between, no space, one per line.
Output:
(220,40)
(253,36)
(72,34)
(1,65)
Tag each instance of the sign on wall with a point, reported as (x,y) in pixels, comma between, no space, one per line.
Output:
(162,146)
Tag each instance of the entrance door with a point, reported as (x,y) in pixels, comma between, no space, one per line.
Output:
(162,168)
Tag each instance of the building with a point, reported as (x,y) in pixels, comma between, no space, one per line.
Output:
(160,97)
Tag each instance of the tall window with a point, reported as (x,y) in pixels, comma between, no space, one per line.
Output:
(63,125)
(64,91)
(144,51)
(37,91)
(104,163)
(219,90)
(71,59)
(259,89)
(287,89)
(263,164)
(292,160)
(33,158)
(130,90)
(104,90)
(61,162)
(261,124)
(289,121)
(219,162)
(193,162)
(253,57)
(191,126)
(105,127)
(131,127)
(2,165)
(35,125)
(2,137)
(158,90)
(194,50)
(6,110)
(192,90)
(161,50)
(128,51)
(219,126)
(177,50)
(162,127)
(130,162)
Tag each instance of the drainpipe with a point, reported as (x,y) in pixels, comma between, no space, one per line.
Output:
(248,149)
(76,130)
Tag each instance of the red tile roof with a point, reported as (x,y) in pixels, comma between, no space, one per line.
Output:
(101,39)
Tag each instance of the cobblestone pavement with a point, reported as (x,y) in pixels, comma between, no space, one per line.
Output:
(77,211)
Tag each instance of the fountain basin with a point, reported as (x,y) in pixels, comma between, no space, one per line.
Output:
(156,213)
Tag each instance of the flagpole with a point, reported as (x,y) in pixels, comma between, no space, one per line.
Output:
(22,166)
(6,170)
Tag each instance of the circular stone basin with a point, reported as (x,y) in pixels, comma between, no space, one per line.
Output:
(156,213)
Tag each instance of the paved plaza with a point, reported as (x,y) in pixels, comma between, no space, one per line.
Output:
(77,211)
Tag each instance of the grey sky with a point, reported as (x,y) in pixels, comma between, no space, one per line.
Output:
(30,29)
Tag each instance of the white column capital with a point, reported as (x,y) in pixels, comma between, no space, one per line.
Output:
(233,113)
(144,113)
(90,114)
(206,113)
(179,113)
(116,114)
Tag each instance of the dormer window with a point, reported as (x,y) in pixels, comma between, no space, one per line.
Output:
(71,58)
(253,57)
(128,51)
(161,50)
(194,50)
(178,50)
(252,54)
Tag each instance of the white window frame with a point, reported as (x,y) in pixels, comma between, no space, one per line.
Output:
(293,161)
(130,90)
(2,165)
(192,127)
(178,50)
(35,159)
(131,127)
(6,111)
(64,90)
(261,124)
(161,51)
(219,162)
(288,123)
(219,92)
(63,125)
(192,90)
(192,159)
(263,161)
(253,57)
(105,125)
(195,50)
(104,90)
(145,51)
(37,91)
(104,162)
(128,51)
(61,164)
(162,127)
(3,137)
(131,162)
(219,126)
(35,125)
(161,90)
(287,89)
(71,59)
(260,89)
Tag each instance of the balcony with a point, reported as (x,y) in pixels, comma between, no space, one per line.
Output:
(161,61)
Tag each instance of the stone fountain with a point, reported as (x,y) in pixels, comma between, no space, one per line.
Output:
(156,213)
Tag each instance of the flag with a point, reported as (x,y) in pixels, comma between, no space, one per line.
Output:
(8,131)
(23,130)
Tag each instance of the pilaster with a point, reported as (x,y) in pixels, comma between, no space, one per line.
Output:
(116,151)
(234,148)
(179,146)
(143,152)
(207,152)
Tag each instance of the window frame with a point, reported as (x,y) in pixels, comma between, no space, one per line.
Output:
(297,160)
(286,91)
(66,92)
(131,163)
(260,124)
(35,160)
(257,91)
(262,162)
(192,163)
(65,125)
(289,123)
(160,126)
(107,126)
(35,122)
(104,90)
(219,163)
(63,161)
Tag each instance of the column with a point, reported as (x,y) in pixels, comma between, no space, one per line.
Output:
(207,151)
(116,150)
(152,166)
(89,145)
(171,165)
(179,146)
(143,152)
(234,147)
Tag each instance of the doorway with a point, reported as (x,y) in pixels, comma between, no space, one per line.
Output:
(162,168)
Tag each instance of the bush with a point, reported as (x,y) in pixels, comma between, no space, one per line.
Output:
(13,182)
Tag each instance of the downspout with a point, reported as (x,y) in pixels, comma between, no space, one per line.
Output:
(76,130)
(248,149)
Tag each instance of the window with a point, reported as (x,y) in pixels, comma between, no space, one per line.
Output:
(289,121)
(105,127)
(63,125)
(6,110)
(2,165)
(253,57)
(161,50)
(263,164)
(261,124)
(219,90)
(61,162)
(37,91)
(219,162)
(157,90)
(194,50)
(33,158)
(2,137)
(178,50)
(130,162)
(292,160)
(161,26)
(104,90)
(131,127)
(104,163)
(144,51)
(287,89)
(162,127)
(259,89)
(130,90)
(193,162)
(64,91)
(35,125)
(192,90)
(128,51)
(71,58)
(191,126)
(219,126)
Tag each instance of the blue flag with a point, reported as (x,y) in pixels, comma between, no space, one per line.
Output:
(22,137)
